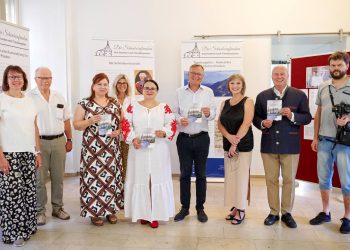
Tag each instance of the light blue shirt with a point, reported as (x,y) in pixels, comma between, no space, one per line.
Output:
(185,99)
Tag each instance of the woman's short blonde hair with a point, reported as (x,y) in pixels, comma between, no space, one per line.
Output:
(116,80)
(234,77)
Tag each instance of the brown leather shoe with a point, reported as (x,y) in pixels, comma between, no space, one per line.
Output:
(112,218)
(97,221)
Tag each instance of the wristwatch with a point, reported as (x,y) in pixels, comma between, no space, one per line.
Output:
(69,140)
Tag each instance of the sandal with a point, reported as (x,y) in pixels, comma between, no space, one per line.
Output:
(232,214)
(112,218)
(97,221)
(236,221)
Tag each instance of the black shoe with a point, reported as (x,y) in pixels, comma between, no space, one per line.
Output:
(182,214)
(201,216)
(271,219)
(345,226)
(320,218)
(287,218)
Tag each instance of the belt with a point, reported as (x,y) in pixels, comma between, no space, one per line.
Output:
(193,135)
(327,138)
(50,137)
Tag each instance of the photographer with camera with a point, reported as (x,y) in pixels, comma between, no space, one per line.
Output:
(331,137)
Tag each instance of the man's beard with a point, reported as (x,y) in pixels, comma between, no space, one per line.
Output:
(338,76)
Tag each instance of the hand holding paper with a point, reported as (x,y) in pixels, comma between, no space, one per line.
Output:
(136,143)
(267,123)
(184,122)
(160,133)
(206,111)
(286,112)
(94,119)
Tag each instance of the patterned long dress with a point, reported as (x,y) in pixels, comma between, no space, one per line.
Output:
(101,185)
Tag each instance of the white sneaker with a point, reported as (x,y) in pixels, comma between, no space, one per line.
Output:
(19,243)
(61,214)
(41,220)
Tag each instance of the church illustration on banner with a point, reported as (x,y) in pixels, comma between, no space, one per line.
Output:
(194,53)
(106,51)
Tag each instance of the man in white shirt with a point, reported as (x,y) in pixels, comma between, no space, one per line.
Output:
(194,108)
(53,122)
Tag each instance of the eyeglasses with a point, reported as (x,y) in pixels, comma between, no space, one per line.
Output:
(196,74)
(125,83)
(44,78)
(149,89)
(15,78)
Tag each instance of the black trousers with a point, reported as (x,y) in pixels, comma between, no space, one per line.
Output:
(18,197)
(193,151)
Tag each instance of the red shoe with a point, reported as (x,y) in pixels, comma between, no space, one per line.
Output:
(144,222)
(154,224)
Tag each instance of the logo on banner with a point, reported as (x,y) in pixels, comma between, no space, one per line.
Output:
(106,51)
(194,53)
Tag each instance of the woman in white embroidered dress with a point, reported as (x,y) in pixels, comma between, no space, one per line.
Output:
(148,126)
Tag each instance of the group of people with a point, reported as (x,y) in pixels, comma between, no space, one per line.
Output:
(125,155)
(280,142)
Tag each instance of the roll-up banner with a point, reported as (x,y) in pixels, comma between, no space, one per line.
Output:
(220,59)
(133,58)
(14,47)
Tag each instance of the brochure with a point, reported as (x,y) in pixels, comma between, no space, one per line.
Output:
(105,125)
(274,110)
(148,138)
(195,113)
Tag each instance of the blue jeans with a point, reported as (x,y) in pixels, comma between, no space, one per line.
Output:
(193,151)
(328,153)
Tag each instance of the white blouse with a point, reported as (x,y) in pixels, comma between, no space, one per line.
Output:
(17,130)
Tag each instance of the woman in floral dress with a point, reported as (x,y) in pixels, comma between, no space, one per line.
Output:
(100,165)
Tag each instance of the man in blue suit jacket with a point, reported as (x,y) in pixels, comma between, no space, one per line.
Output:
(280,142)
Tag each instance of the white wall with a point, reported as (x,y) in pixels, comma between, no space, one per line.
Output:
(168,23)
(47,37)
(47,40)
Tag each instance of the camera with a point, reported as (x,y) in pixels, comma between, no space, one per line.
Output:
(341,109)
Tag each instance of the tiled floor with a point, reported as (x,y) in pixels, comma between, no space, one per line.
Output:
(78,233)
